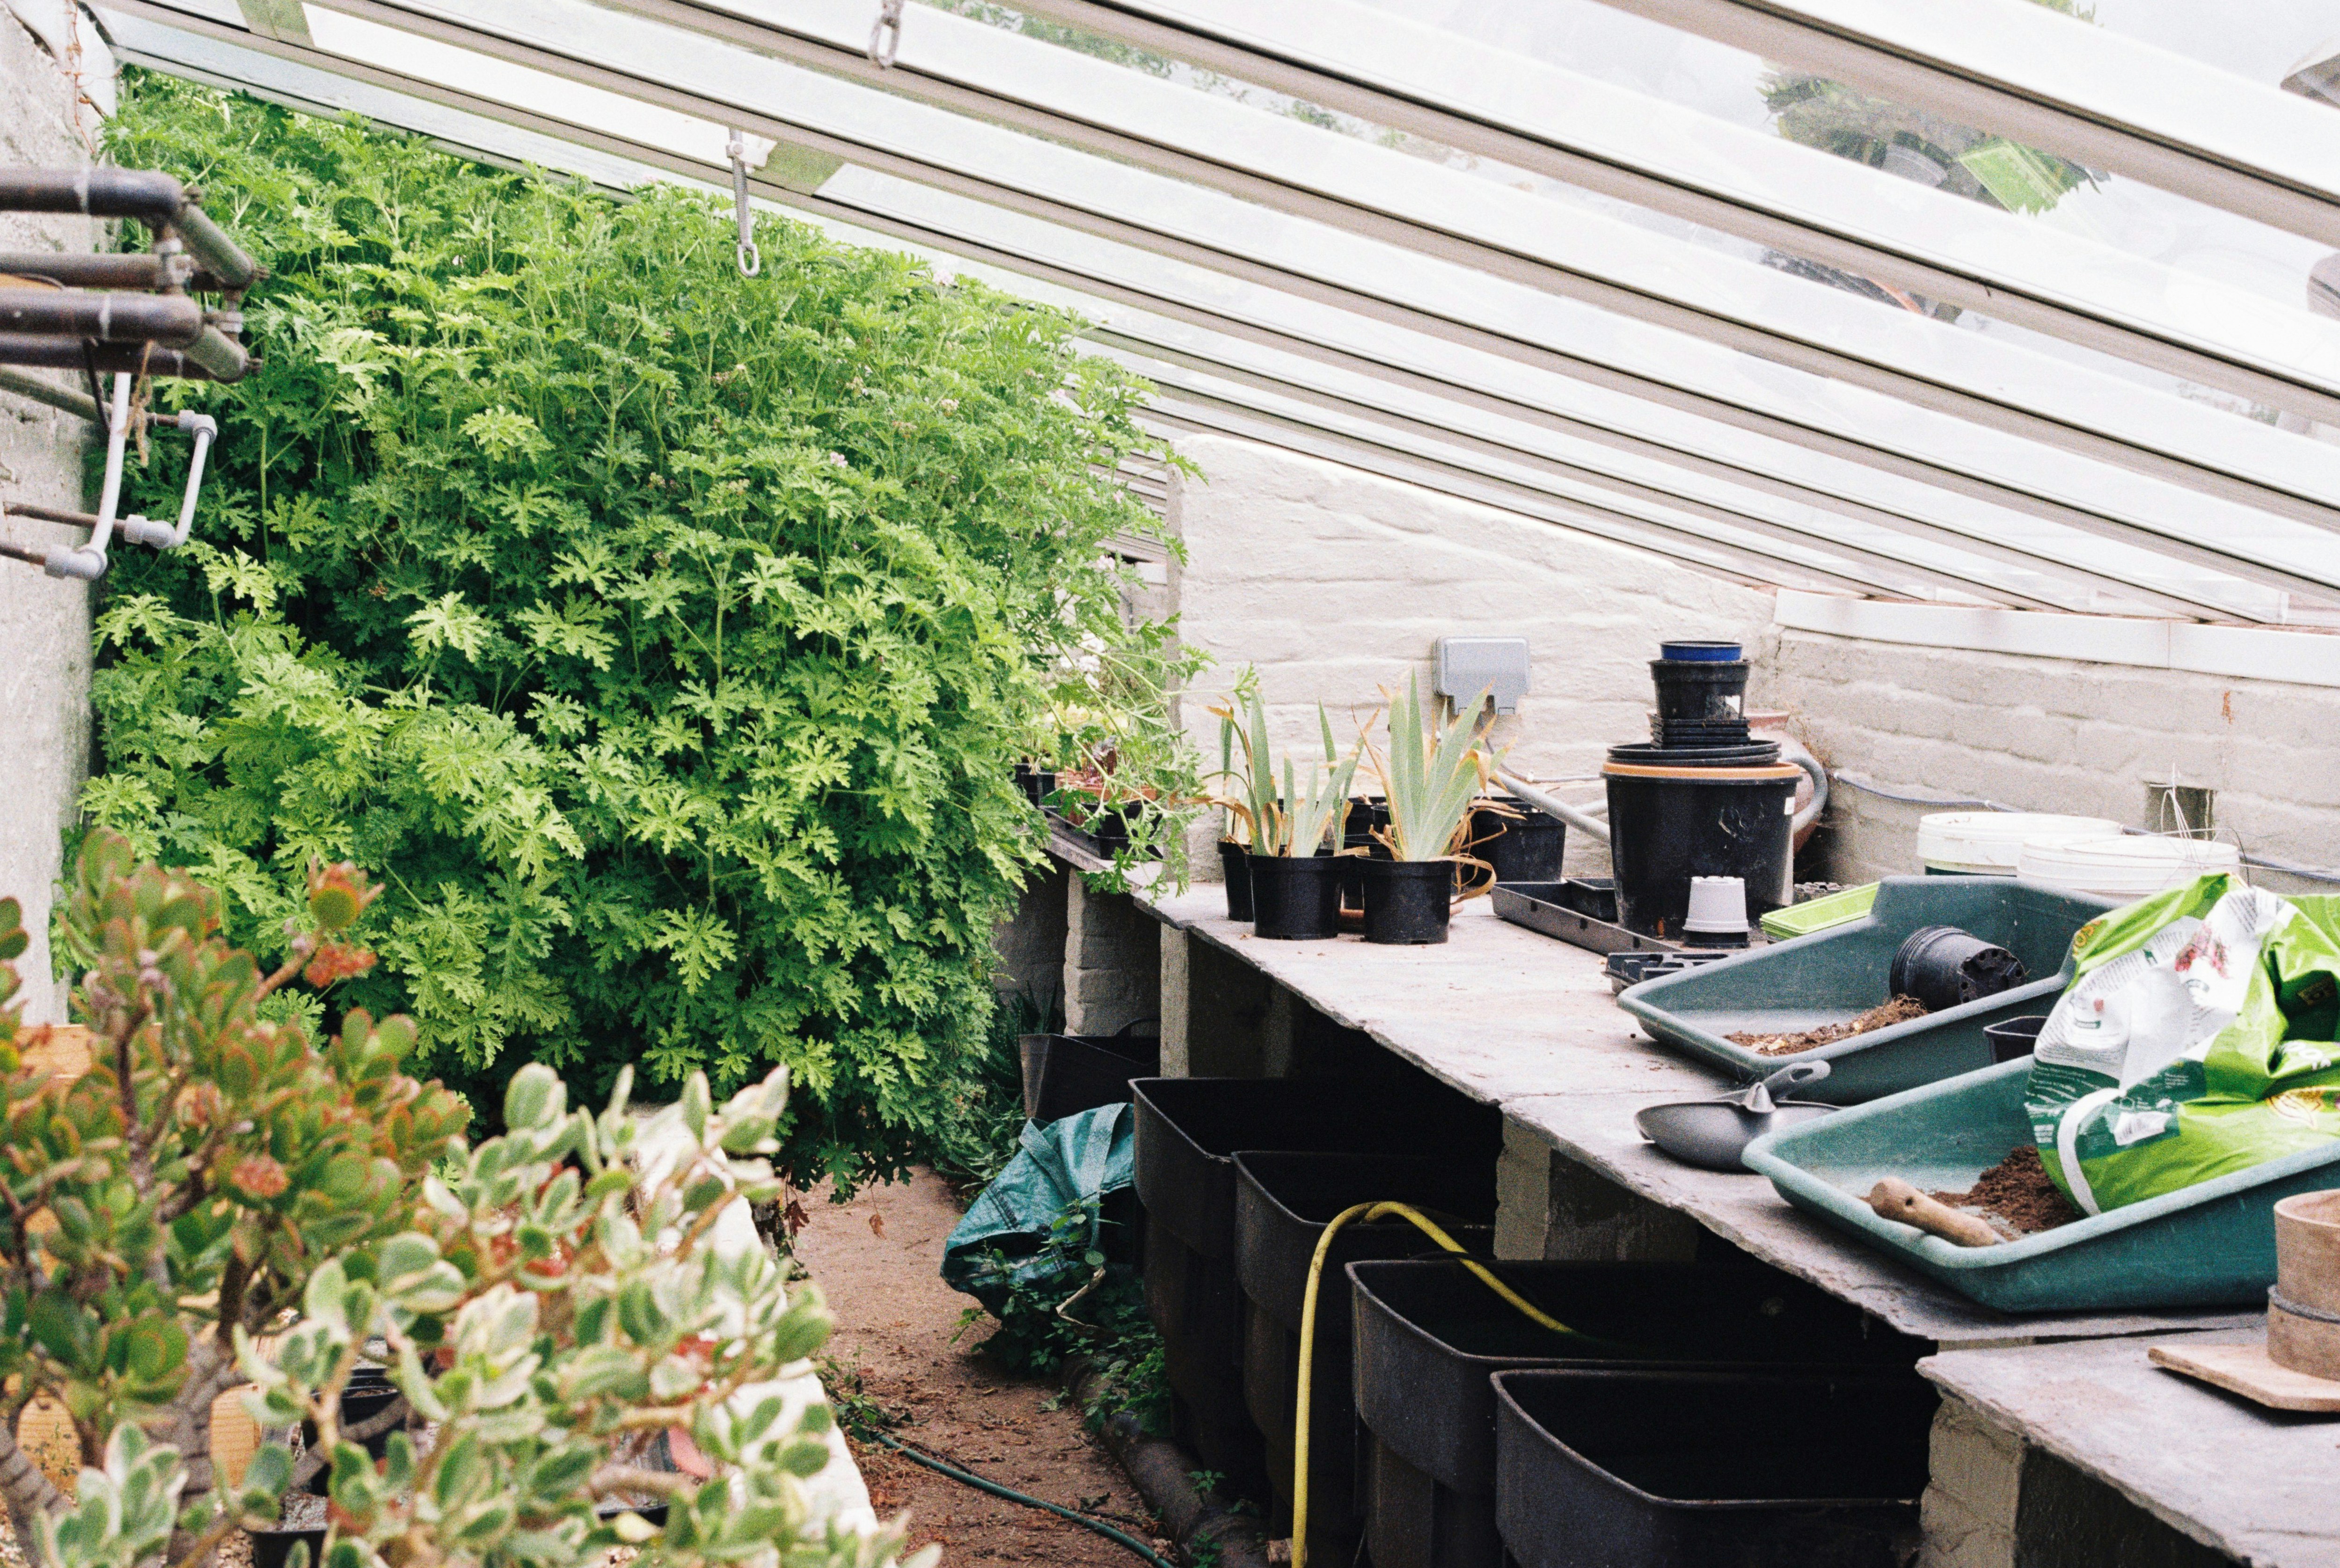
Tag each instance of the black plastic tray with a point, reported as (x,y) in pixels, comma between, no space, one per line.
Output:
(1580,911)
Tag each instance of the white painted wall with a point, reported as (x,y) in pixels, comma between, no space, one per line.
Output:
(2055,735)
(44,623)
(1335,582)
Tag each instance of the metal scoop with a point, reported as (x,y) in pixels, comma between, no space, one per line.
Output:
(1713,1134)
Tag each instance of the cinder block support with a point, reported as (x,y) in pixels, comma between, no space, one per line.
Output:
(1548,1206)
(1235,1026)
(1113,961)
(1975,1480)
(1029,949)
(1175,1011)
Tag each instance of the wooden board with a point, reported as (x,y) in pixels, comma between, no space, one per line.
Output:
(2244,1369)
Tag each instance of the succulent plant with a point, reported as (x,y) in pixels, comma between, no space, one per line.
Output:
(542,1301)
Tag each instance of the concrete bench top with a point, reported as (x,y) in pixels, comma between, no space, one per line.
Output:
(1518,1020)
(2256,1484)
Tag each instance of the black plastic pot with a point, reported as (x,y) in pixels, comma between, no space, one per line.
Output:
(1295,897)
(1234,867)
(1814,1467)
(2015,1037)
(1525,845)
(1282,1203)
(273,1548)
(1700,691)
(1065,1075)
(1188,1131)
(1429,1334)
(1037,783)
(1944,966)
(1406,902)
(367,1394)
(1671,820)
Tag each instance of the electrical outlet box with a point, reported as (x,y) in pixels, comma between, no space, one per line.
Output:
(1468,666)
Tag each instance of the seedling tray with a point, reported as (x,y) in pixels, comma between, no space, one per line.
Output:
(1833,976)
(1580,911)
(2210,1244)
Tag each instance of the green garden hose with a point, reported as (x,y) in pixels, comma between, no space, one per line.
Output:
(1365,1211)
(968,1478)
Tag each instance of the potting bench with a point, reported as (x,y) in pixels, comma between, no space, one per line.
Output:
(1519,1021)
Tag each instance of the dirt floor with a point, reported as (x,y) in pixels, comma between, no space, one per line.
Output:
(876,1259)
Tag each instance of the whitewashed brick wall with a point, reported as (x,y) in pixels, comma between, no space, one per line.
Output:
(44,623)
(2055,735)
(1335,582)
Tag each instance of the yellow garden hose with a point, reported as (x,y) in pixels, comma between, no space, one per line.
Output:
(1367,1212)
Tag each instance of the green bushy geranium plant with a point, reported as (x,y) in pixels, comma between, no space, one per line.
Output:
(543,1300)
(663,637)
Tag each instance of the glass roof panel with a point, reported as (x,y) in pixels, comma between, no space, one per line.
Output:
(1488,312)
(676,138)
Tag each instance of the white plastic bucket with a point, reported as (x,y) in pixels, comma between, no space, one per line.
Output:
(2126,865)
(1991,843)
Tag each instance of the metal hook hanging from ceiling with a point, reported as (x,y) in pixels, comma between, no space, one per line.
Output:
(750,260)
(886,36)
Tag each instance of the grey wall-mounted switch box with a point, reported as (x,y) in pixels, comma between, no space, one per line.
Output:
(1468,666)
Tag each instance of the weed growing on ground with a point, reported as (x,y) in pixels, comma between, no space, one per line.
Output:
(1095,1308)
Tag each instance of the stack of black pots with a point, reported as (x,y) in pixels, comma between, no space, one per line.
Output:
(1702,798)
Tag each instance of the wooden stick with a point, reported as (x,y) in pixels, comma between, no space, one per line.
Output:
(1894,1198)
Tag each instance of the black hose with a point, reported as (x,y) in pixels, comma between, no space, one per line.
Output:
(969,1478)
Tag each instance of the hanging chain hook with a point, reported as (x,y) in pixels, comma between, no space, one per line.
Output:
(885,37)
(750,260)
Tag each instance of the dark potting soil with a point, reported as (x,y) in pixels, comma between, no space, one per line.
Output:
(2018,1192)
(1900,1010)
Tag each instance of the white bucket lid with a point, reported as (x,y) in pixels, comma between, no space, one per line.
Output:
(2128,866)
(1993,841)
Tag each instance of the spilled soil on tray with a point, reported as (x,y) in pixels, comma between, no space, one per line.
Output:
(1900,1010)
(2017,1195)
(900,1350)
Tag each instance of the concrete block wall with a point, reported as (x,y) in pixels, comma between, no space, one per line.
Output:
(2053,735)
(1335,583)
(46,120)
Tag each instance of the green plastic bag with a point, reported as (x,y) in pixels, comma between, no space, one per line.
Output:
(1039,1216)
(2195,1039)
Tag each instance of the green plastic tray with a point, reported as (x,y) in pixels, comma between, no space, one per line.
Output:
(1820,914)
(1833,976)
(2212,1245)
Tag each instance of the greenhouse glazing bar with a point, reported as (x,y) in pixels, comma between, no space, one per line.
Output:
(1747,565)
(2160,599)
(1408,436)
(2027,72)
(1461,387)
(1612,265)
(1430,83)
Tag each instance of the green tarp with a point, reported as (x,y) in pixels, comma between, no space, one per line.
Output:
(1038,1216)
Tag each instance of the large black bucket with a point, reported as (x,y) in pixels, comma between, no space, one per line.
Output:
(1282,1203)
(1065,1075)
(1429,1334)
(1670,819)
(1781,1468)
(1188,1132)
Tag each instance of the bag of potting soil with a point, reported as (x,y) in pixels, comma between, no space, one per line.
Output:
(1039,1215)
(2197,1039)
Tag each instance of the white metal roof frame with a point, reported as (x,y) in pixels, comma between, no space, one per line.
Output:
(1441,285)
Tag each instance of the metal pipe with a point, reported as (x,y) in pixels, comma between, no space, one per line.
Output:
(105,359)
(56,396)
(154,199)
(51,515)
(98,269)
(221,256)
(88,562)
(174,320)
(1551,805)
(162,536)
(220,355)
